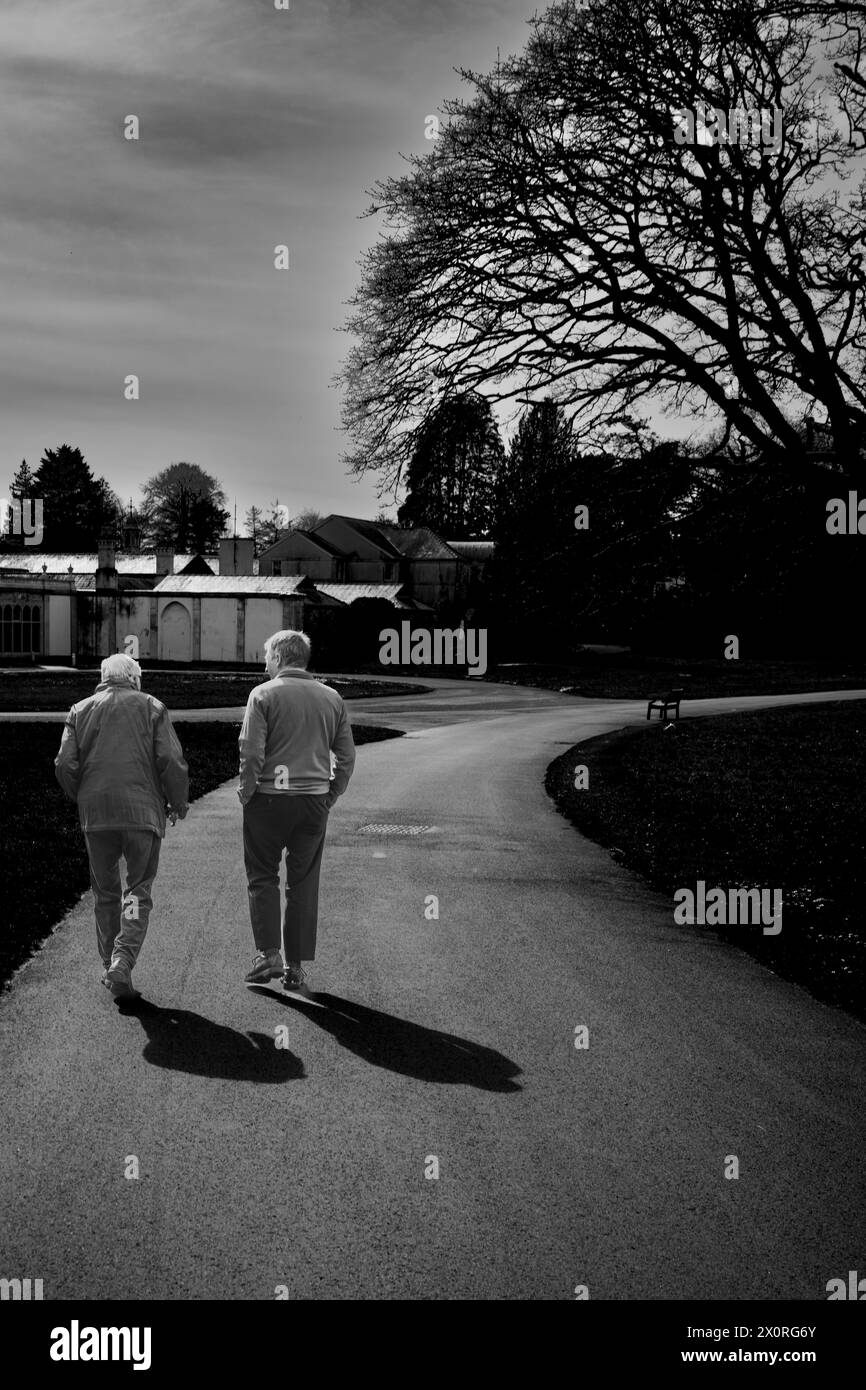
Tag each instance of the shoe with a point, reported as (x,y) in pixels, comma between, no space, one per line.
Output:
(293,977)
(118,978)
(266,966)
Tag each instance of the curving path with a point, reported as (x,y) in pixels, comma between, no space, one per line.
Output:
(304,1166)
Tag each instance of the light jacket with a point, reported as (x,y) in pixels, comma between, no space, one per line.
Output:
(121,760)
(291,726)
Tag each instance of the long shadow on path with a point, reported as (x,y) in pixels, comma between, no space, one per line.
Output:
(184,1041)
(401,1046)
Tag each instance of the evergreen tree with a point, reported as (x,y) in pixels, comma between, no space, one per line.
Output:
(21,487)
(77,507)
(452,474)
(24,482)
(534,531)
(583,541)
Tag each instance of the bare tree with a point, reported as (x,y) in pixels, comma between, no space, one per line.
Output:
(561,236)
(307,520)
(253,522)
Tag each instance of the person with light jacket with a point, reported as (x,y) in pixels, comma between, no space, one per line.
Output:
(296,757)
(121,761)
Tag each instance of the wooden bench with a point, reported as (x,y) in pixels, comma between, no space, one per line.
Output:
(670,700)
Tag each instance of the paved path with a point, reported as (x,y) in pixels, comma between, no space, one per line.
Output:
(305,1167)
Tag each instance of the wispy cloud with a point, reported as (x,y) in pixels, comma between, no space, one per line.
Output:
(155,256)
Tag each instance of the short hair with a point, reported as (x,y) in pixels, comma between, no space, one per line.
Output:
(288,648)
(121,668)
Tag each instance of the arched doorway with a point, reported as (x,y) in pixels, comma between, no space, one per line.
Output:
(175,633)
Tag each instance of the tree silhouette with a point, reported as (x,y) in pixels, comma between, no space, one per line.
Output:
(184,509)
(253,520)
(21,487)
(77,507)
(307,520)
(560,236)
(452,472)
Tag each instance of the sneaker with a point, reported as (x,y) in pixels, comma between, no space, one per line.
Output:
(266,966)
(118,978)
(293,977)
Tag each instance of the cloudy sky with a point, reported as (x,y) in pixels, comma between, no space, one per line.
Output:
(155,257)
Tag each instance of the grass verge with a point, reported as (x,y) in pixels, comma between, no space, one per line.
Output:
(627,676)
(772,798)
(24,690)
(43,870)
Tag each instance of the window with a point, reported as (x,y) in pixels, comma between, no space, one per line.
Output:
(20,629)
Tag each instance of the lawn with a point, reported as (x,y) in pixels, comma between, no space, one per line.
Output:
(772,798)
(627,676)
(26,690)
(43,870)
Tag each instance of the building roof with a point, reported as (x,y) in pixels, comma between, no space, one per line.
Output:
(394,542)
(267,586)
(473,550)
(417,542)
(397,542)
(36,584)
(347,593)
(275,551)
(320,541)
(372,533)
(198,565)
(60,564)
(85,583)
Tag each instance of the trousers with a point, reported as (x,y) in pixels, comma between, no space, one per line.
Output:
(121,921)
(296,824)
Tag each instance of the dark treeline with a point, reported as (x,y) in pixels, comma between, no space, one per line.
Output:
(569,235)
(77,507)
(183,506)
(644,544)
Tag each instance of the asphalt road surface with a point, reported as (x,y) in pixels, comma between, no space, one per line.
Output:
(309,1167)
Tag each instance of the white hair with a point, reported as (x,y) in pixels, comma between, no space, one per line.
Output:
(121,668)
(288,648)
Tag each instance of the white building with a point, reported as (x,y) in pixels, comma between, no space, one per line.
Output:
(68,609)
(214,618)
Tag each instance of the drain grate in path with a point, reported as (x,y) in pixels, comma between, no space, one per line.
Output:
(382,829)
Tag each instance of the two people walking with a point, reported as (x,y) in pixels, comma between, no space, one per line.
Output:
(121,761)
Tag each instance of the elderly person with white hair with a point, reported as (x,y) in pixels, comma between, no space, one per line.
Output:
(294,729)
(121,760)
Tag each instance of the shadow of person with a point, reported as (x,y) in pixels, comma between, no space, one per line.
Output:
(401,1046)
(184,1041)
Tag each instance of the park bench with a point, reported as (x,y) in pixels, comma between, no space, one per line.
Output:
(670,700)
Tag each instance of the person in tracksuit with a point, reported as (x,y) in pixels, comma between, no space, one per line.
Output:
(292,727)
(121,761)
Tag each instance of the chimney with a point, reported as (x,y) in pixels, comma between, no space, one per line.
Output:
(105,583)
(236,555)
(106,553)
(165,561)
